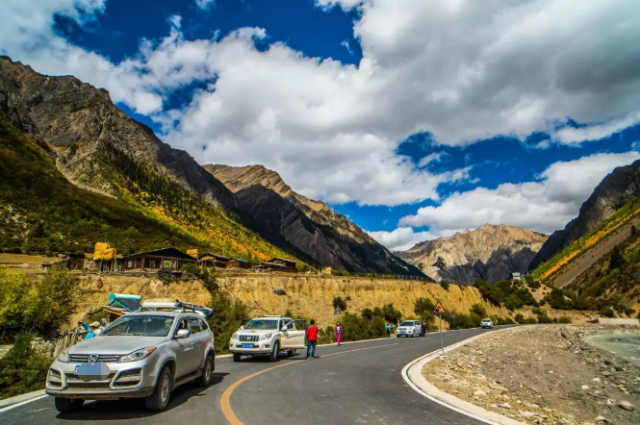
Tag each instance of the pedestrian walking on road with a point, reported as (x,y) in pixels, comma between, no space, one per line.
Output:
(389,329)
(312,339)
(338,331)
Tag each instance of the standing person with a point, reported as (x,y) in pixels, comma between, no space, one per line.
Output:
(338,331)
(389,329)
(312,339)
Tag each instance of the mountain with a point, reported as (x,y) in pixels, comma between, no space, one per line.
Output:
(100,149)
(309,227)
(616,190)
(490,253)
(73,119)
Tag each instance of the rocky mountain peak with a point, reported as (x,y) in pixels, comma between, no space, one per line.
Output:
(491,252)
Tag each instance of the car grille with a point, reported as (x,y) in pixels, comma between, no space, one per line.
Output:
(104,358)
(89,386)
(249,338)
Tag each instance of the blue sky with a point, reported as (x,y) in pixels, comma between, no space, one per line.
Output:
(414,119)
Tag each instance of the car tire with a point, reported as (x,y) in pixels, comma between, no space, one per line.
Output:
(237,357)
(162,393)
(68,405)
(276,350)
(209,366)
(291,353)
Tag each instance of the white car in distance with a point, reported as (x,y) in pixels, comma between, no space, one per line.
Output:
(412,328)
(486,324)
(268,336)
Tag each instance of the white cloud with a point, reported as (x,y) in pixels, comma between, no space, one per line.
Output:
(462,70)
(345,44)
(205,4)
(432,157)
(400,239)
(575,136)
(345,4)
(543,206)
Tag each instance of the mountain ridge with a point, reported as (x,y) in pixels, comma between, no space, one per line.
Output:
(490,252)
(310,227)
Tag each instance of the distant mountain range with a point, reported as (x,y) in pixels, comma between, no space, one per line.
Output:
(490,253)
(100,149)
(308,227)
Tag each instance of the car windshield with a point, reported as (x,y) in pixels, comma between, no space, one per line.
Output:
(140,326)
(262,324)
(486,320)
(407,323)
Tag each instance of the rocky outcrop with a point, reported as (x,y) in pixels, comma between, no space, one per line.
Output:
(616,190)
(72,119)
(490,253)
(308,227)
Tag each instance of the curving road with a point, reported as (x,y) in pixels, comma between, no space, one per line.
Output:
(356,383)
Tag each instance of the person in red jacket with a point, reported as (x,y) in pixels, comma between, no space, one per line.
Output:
(312,339)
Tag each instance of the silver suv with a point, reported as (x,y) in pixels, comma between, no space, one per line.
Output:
(140,355)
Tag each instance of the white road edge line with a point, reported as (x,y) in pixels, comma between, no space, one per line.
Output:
(481,414)
(22,403)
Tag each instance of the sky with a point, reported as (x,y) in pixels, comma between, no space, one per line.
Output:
(417,119)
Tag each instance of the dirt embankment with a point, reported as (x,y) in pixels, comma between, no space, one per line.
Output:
(310,297)
(305,296)
(542,375)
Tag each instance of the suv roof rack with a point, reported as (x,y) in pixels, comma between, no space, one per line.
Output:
(177,306)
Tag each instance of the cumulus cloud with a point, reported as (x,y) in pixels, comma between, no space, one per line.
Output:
(575,136)
(205,4)
(543,206)
(400,239)
(461,70)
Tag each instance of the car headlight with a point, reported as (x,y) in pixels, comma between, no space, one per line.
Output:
(63,357)
(234,336)
(137,355)
(265,337)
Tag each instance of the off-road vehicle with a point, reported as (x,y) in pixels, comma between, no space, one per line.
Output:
(140,355)
(268,336)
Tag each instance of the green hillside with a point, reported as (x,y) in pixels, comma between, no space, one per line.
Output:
(40,211)
(583,245)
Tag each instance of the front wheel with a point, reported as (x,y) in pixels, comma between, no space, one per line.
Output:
(209,367)
(276,350)
(160,398)
(68,405)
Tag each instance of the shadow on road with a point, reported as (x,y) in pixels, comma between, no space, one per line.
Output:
(102,410)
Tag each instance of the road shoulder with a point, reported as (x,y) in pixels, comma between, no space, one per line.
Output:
(412,374)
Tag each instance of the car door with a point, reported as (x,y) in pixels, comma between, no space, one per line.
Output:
(185,350)
(200,343)
(293,337)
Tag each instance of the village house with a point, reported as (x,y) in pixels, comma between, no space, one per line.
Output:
(279,264)
(166,259)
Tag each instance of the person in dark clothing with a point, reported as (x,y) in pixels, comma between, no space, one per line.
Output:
(312,339)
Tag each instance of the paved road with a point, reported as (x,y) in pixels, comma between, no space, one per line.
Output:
(344,386)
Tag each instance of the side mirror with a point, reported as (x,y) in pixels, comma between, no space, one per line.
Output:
(242,327)
(182,333)
(285,328)
(97,332)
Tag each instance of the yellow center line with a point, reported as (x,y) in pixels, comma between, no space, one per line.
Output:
(226,396)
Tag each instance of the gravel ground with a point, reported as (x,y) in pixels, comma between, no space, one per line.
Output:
(543,375)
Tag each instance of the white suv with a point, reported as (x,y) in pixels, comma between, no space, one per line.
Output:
(486,323)
(268,336)
(412,328)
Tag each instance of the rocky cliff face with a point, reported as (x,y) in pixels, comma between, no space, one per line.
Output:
(72,119)
(311,228)
(490,253)
(616,190)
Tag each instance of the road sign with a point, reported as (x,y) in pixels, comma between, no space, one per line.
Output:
(439,308)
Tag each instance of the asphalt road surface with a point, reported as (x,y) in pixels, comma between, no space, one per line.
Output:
(356,383)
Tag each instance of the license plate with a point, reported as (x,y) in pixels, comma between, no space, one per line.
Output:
(247,345)
(92,371)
